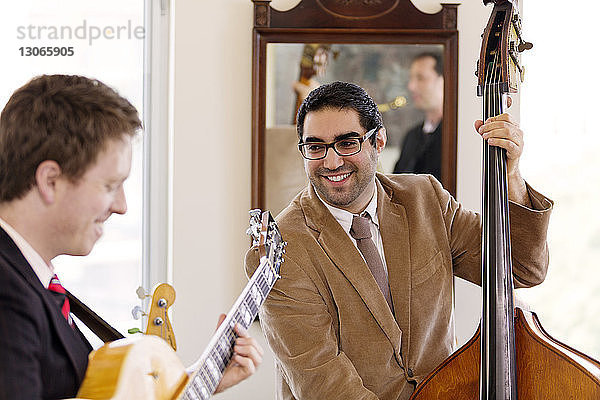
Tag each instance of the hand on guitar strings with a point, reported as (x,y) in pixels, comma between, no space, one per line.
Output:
(246,358)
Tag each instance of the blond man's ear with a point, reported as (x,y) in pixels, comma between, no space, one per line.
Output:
(46,178)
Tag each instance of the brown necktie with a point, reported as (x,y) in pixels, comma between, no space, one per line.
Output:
(361,232)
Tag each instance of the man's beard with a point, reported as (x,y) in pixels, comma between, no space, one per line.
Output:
(359,180)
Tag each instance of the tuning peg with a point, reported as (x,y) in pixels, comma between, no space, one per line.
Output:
(255,213)
(253,230)
(255,224)
(141,293)
(162,303)
(524,46)
(137,312)
(255,216)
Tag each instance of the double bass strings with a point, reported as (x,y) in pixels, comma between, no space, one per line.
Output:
(497,274)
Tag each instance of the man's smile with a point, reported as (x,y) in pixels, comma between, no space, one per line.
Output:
(337,177)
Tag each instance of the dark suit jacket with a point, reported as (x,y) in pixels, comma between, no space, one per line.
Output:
(41,357)
(328,324)
(421,152)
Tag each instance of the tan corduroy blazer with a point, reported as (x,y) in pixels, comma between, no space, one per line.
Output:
(327,322)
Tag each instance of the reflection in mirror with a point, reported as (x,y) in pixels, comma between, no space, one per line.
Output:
(405,80)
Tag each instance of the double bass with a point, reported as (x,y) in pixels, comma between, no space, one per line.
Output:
(510,356)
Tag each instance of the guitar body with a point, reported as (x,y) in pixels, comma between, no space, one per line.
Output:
(141,367)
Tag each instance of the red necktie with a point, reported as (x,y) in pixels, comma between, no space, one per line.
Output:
(61,295)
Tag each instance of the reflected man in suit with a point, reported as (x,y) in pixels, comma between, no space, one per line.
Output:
(354,321)
(65,151)
(422,146)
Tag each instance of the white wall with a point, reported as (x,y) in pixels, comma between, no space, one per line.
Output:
(211,166)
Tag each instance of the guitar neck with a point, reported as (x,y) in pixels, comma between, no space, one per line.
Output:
(209,369)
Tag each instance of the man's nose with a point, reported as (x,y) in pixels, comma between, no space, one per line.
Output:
(411,85)
(119,205)
(332,160)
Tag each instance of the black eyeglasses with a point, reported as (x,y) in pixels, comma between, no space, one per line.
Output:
(343,147)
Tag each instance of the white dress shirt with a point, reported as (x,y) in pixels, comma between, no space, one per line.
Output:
(43,271)
(430,126)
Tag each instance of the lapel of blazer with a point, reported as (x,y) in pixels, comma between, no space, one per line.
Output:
(393,226)
(346,257)
(73,347)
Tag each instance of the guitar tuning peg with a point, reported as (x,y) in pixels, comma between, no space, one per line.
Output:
(255,213)
(162,303)
(141,293)
(253,231)
(137,312)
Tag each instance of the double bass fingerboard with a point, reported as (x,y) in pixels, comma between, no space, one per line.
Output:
(219,352)
(497,378)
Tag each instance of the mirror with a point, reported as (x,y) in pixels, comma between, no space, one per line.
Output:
(372,48)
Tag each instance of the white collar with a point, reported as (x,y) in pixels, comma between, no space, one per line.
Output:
(43,271)
(430,126)
(344,218)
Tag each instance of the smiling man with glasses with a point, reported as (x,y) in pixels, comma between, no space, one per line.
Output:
(364,306)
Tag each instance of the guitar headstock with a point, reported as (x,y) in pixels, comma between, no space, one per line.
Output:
(159,324)
(266,236)
(500,59)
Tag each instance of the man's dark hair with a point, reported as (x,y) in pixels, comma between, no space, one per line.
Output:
(67,119)
(341,96)
(437,57)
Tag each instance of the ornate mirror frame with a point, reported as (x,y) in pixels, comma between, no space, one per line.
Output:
(356,22)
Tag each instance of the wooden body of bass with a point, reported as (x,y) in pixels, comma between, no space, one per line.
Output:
(546,368)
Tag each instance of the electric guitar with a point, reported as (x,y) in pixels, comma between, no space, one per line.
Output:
(145,367)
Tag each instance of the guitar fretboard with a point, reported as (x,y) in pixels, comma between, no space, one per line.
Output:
(211,365)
